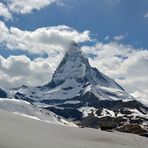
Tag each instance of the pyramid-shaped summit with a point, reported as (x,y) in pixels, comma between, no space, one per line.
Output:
(82,93)
(75,77)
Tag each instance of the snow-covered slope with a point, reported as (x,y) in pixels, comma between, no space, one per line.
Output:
(24,108)
(21,132)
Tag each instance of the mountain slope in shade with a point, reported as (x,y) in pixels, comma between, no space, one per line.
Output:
(85,95)
(3,94)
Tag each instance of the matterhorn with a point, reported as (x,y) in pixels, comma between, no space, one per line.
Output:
(81,93)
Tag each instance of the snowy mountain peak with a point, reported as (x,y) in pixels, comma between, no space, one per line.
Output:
(73,66)
(82,93)
(75,76)
(73,47)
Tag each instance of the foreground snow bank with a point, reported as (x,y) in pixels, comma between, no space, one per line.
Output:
(21,132)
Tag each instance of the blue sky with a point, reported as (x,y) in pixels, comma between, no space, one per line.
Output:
(34,35)
(102,17)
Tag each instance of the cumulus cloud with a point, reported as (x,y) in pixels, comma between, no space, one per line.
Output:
(41,40)
(27,6)
(11,7)
(18,70)
(5,12)
(125,64)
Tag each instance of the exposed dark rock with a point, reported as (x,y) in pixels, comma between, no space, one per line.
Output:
(120,120)
(99,111)
(68,105)
(136,120)
(90,121)
(53,102)
(125,111)
(20,96)
(68,88)
(144,134)
(3,94)
(67,113)
(132,128)
(107,123)
(92,101)
(104,123)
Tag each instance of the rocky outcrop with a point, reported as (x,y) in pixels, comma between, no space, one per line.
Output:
(3,94)
(133,128)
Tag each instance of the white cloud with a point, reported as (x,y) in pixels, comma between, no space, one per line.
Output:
(119,37)
(5,12)
(142,96)
(11,7)
(27,6)
(50,40)
(41,40)
(18,70)
(125,64)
